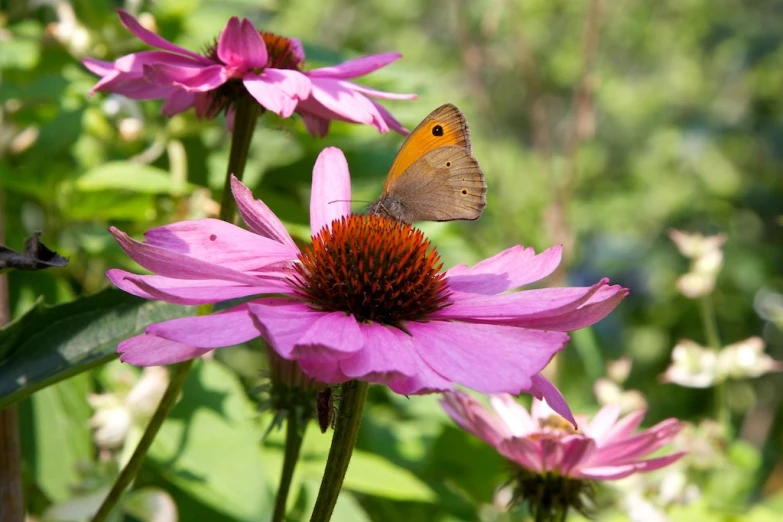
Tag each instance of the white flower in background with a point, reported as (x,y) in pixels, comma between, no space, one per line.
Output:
(610,391)
(706,261)
(115,415)
(695,366)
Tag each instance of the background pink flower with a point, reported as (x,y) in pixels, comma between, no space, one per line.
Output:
(246,62)
(606,448)
(422,330)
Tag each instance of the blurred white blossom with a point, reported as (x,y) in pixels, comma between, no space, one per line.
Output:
(706,261)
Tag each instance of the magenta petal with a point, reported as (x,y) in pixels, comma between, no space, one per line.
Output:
(380,94)
(326,373)
(192,79)
(150,38)
(624,470)
(523,451)
(220,243)
(346,103)
(293,83)
(390,120)
(227,328)
(355,67)
(258,217)
(603,422)
(148,350)
(330,198)
(315,125)
(383,357)
(330,337)
(426,379)
(171,264)
(542,388)
(507,360)
(271,96)
(576,449)
(511,268)
(473,418)
(98,67)
(176,102)
(626,425)
(241,45)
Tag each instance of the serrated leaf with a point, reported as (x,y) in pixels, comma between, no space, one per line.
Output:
(135,177)
(51,343)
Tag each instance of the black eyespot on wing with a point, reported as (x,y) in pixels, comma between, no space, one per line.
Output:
(464,192)
(437,130)
(448,164)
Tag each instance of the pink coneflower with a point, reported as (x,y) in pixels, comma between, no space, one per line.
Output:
(243,62)
(553,462)
(367,300)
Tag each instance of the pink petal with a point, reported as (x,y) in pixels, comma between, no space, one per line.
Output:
(293,83)
(511,268)
(516,418)
(178,101)
(326,373)
(523,451)
(171,264)
(188,292)
(626,425)
(528,308)
(543,389)
(290,328)
(473,418)
(258,217)
(150,38)
(383,357)
(329,338)
(148,350)
(330,198)
(379,94)
(622,471)
(192,79)
(241,45)
(576,450)
(507,360)
(220,243)
(603,422)
(98,67)
(315,125)
(234,326)
(425,381)
(596,308)
(637,446)
(355,67)
(390,120)
(269,91)
(552,452)
(345,102)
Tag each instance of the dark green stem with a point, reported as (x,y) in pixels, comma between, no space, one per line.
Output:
(295,430)
(346,429)
(246,114)
(178,374)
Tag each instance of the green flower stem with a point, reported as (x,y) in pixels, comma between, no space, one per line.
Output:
(710,324)
(246,112)
(295,430)
(346,429)
(178,375)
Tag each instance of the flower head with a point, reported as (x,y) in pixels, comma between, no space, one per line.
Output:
(367,300)
(246,62)
(553,462)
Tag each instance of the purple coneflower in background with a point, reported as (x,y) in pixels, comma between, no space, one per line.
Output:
(243,62)
(554,463)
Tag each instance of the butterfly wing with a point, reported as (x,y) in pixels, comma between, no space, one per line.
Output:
(453,188)
(444,126)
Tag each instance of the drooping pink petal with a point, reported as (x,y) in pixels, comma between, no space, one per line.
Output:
(331,190)
(177,102)
(552,451)
(188,291)
(507,359)
(542,388)
(637,446)
(326,373)
(148,350)
(99,67)
(192,79)
(472,417)
(258,217)
(390,120)
(241,45)
(523,451)
(426,380)
(234,326)
(379,94)
(576,450)
(347,103)
(220,243)
(511,268)
(271,96)
(627,425)
(150,38)
(178,266)
(315,125)
(383,357)
(624,470)
(330,337)
(355,67)
(603,422)
(293,83)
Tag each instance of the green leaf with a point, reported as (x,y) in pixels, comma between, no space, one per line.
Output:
(210,445)
(51,343)
(135,177)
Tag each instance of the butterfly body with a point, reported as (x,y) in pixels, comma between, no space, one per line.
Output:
(434,176)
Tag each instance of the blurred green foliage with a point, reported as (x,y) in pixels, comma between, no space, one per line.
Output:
(600,129)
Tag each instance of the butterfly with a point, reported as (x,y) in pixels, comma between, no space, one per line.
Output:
(434,176)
